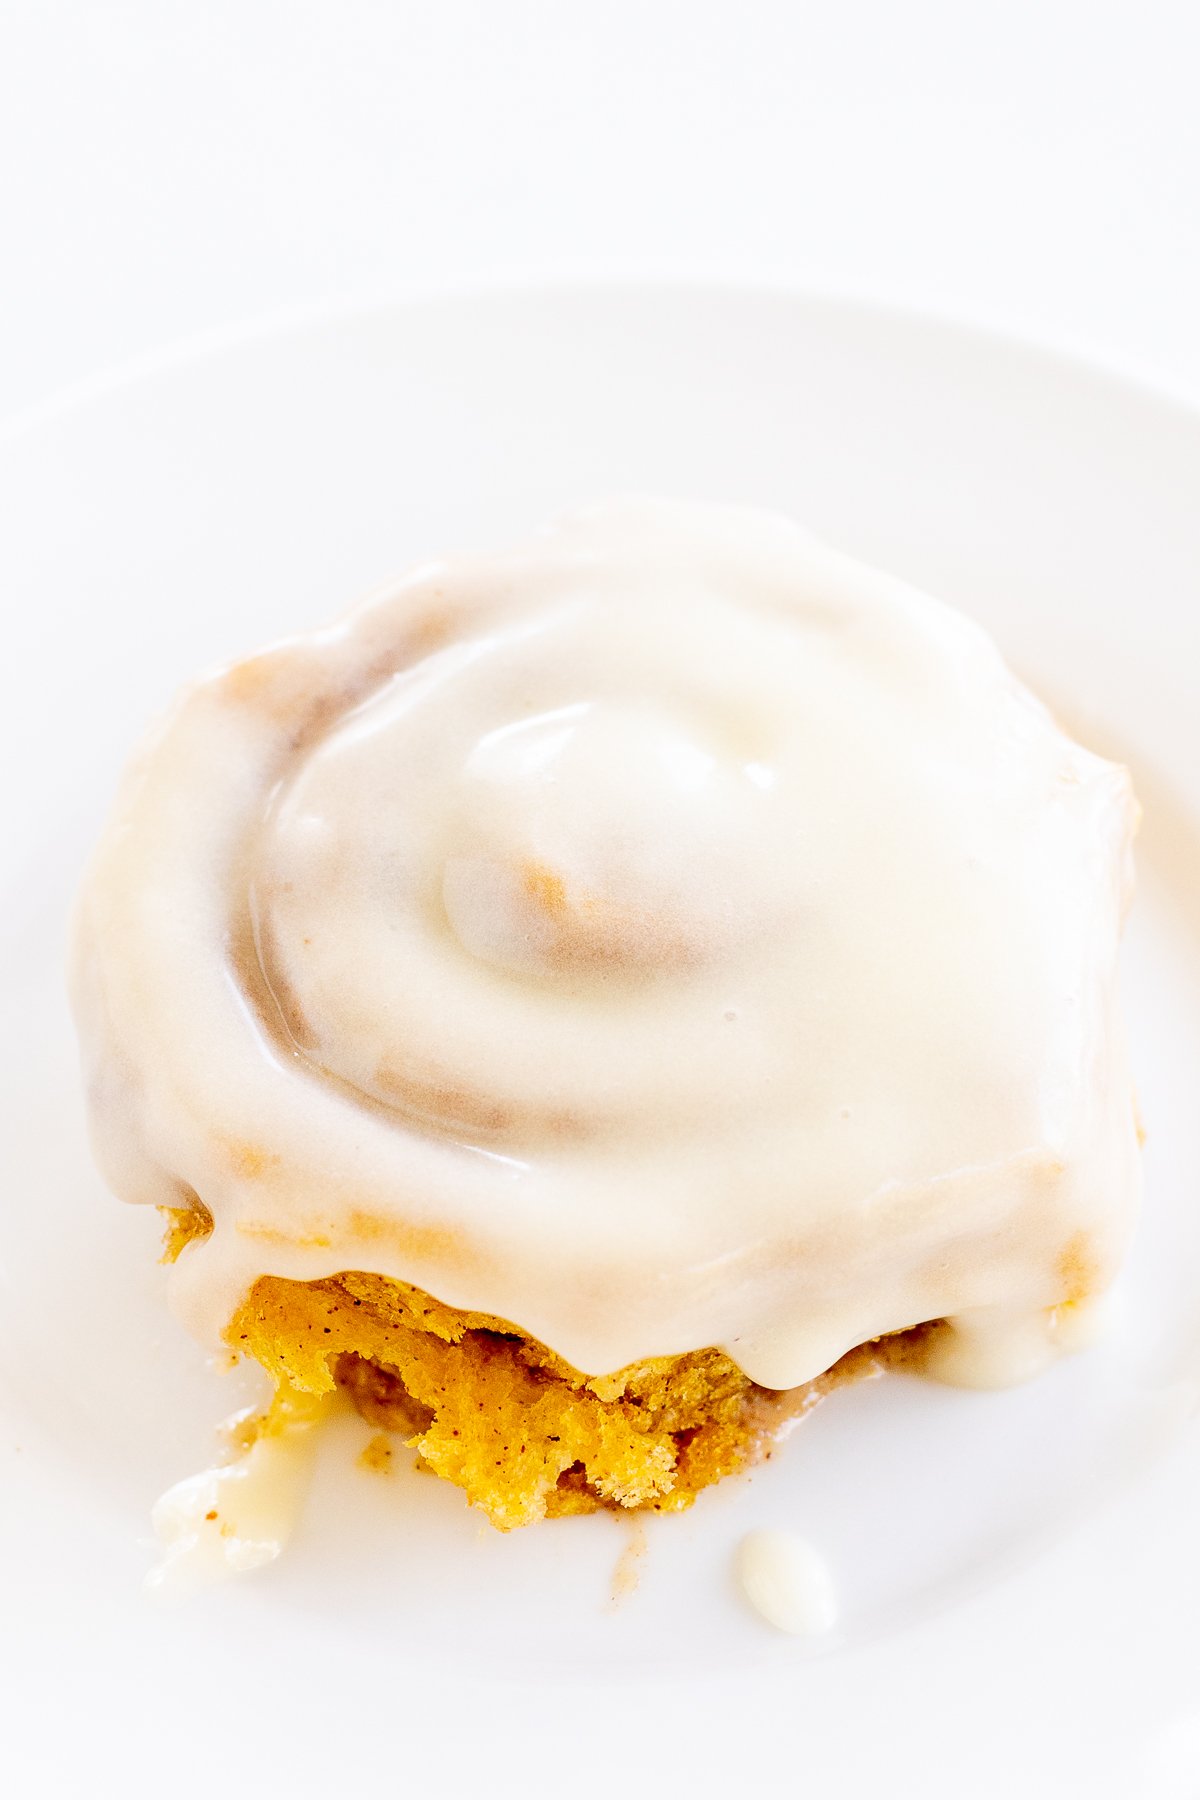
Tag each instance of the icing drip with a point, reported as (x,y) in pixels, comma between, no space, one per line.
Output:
(787,1582)
(238,1515)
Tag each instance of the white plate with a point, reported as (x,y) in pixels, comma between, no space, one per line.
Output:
(1019,1572)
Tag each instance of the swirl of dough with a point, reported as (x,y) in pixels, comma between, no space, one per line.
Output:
(654,935)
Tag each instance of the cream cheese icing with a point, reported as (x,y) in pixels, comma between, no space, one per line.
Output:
(668,933)
(239,1514)
(787,1582)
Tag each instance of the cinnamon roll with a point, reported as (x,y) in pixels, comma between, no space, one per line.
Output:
(603,993)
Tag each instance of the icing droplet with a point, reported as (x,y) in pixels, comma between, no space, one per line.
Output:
(787,1582)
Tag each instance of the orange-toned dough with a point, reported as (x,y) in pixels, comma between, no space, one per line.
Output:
(183,1224)
(523,1434)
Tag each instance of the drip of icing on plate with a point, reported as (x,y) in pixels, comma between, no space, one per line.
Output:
(669,933)
(238,1515)
(786,1580)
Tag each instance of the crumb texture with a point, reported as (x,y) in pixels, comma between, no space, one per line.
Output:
(521,1432)
(183,1224)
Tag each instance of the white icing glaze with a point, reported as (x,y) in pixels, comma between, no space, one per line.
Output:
(669,933)
(238,1515)
(787,1582)
(998,1346)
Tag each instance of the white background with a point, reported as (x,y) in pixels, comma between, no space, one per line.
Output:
(169,166)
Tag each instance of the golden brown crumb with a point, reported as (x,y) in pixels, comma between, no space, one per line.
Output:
(524,1434)
(377,1455)
(183,1223)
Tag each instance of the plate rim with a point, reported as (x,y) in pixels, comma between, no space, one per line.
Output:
(340,314)
(1117,372)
